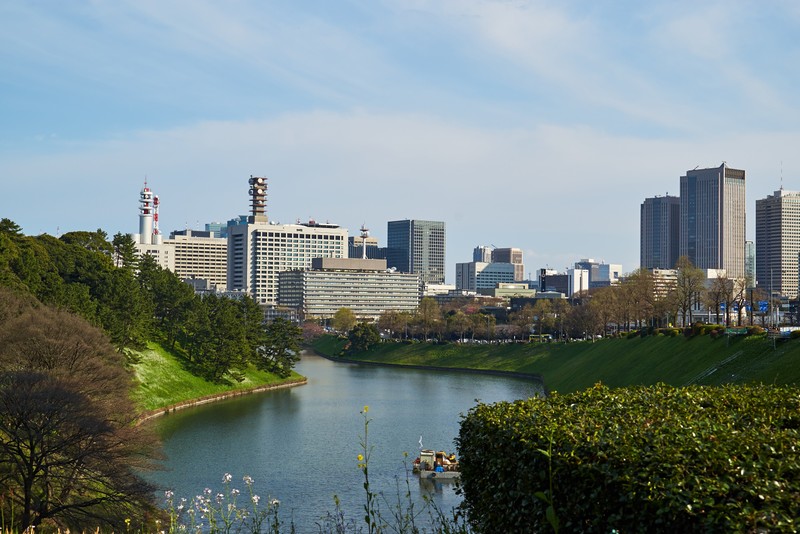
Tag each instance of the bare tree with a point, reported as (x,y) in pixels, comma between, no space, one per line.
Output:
(69,453)
(689,288)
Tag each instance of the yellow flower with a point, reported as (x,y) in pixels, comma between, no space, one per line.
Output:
(366,409)
(360,458)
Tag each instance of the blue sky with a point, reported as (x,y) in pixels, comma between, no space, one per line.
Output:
(538,125)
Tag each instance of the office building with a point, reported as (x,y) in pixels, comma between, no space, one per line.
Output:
(600,274)
(512,256)
(418,247)
(364,286)
(258,250)
(712,225)
(482,253)
(778,243)
(750,263)
(478,275)
(659,232)
(200,255)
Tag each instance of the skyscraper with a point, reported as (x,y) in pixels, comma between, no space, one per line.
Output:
(778,242)
(418,247)
(660,232)
(258,250)
(713,219)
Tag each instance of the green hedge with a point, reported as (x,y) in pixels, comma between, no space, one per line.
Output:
(640,459)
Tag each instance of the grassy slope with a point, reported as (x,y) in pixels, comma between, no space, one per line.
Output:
(615,362)
(163,381)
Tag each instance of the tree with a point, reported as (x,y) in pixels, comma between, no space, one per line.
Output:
(343,320)
(688,289)
(542,315)
(125,254)
(282,347)
(220,343)
(69,453)
(428,314)
(362,337)
(523,320)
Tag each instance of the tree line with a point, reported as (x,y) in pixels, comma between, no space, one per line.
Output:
(134,300)
(641,299)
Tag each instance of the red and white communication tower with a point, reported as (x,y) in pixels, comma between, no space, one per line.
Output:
(156,232)
(148,218)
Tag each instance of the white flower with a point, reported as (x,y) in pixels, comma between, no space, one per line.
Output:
(226,478)
(274,502)
(168,495)
(248,480)
(256,498)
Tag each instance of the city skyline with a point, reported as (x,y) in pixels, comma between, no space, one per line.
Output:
(518,124)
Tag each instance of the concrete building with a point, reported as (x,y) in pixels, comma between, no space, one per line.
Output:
(514,257)
(778,243)
(258,250)
(600,274)
(200,255)
(482,253)
(750,263)
(478,275)
(659,236)
(365,286)
(509,290)
(712,227)
(417,246)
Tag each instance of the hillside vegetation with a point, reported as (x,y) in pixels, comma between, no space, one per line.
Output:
(619,362)
(164,380)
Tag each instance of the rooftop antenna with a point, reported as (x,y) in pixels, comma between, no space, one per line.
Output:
(364,236)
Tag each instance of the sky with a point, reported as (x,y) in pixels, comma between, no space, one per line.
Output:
(537,125)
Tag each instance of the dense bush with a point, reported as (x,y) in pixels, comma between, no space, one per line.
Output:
(755,331)
(639,459)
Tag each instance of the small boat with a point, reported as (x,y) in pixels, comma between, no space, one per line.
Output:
(436,465)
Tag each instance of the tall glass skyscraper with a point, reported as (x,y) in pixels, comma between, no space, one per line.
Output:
(660,232)
(713,219)
(418,247)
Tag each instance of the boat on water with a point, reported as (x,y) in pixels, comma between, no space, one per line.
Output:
(436,465)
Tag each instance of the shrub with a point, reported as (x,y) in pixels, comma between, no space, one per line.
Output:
(755,331)
(795,334)
(640,459)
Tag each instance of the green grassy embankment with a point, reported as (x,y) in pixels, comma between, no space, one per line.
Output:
(164,382)
(570,367)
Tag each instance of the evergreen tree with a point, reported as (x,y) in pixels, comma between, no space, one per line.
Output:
(282,347)
(125,254)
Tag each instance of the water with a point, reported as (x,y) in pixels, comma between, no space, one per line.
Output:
(300,445)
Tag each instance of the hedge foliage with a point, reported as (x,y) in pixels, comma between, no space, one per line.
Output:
(639,459)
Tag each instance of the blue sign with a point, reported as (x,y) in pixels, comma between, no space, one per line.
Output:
(722,306)
(762,306)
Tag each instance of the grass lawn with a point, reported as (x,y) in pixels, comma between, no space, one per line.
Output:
(572,367)
(163,381)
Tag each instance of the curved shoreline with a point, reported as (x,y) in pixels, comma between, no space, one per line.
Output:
(151,414)
(529,376)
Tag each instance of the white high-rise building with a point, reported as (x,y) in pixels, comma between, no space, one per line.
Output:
(778,243)
(259,249)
